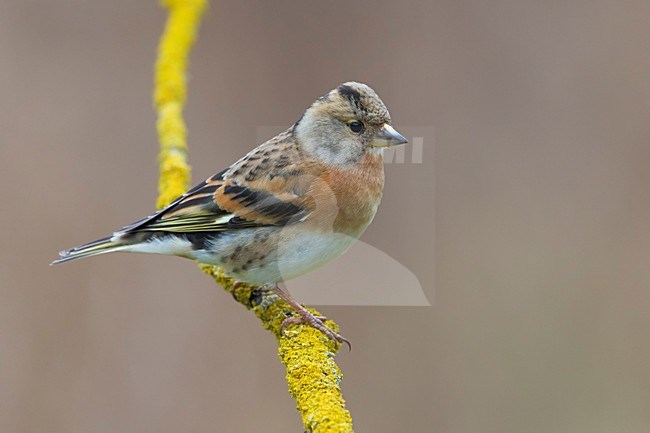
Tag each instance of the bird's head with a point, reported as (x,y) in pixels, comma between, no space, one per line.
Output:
(342,125)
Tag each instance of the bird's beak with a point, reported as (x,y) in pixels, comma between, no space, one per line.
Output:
(387,136)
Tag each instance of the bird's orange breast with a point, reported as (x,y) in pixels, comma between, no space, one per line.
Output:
(357,191)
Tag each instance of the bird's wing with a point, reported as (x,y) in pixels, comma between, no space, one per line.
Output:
(256,191)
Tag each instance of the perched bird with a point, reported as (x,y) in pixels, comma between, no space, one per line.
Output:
(287,207)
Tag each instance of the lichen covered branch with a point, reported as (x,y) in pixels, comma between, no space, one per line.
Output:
(307,354)
(170,94)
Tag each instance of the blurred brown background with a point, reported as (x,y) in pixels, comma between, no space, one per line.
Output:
(540,315)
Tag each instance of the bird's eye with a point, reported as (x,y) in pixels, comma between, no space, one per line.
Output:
(356,127)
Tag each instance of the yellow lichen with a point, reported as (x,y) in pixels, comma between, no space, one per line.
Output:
(307,354)
(170,93)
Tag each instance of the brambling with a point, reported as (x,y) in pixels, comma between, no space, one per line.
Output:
(287,207)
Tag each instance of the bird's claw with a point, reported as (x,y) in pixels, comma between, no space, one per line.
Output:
(316,322)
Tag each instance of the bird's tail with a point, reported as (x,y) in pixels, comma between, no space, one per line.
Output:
(100,246)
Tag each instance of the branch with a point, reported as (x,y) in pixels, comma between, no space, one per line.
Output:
(308,355)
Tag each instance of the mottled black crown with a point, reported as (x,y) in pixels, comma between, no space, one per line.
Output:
(352,95)
(365,101)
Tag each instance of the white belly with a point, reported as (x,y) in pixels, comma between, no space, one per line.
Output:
(310,251)
(284,254)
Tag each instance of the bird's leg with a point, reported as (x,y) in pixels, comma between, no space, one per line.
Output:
(306,317)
